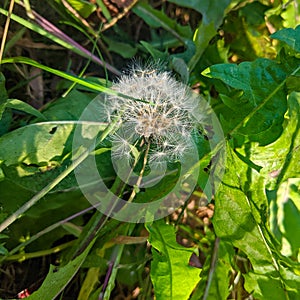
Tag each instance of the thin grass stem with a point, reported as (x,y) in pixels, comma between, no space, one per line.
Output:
(5,31)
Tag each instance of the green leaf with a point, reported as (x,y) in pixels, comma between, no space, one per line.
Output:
(211,10)
(155,18)
(254,13)
(156,54)
(6,116)
(264,287)
(280,160)
(170,265)
(21,106)
(215,276)
(83,82)
(286,216)
(293,83)
(263,100)
(234,220)
(35,144)
(241,219)
(58,278)
(84,8)
(181,68)
(69,107)
(212,16)
(289,36)
(123,49)
(3,92)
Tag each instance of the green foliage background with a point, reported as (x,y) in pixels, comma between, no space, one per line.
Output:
(244,58)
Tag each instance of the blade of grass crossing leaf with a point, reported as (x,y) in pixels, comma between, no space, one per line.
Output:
(38,29)
(72,78)
(58,179)
(116,260)
(58,278)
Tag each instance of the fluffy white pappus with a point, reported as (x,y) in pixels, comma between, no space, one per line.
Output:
(163,117)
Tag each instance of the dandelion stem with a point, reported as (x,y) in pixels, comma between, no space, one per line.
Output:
(139,180)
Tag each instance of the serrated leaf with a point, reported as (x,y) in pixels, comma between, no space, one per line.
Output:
(280,160)
(263,102)
(235,216)
(289,36)
(241,218)
(170,265)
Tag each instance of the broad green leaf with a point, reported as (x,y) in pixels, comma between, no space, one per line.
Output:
(234,220)
(35,144)
(265,287)
(241,219)
(259,111)
(285,216)
(289,36)
(69,107)
(21,106)
(171,274)
(254,13)
(279,160)
(59,277)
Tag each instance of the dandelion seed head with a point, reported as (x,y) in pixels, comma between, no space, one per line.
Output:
(163,117)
